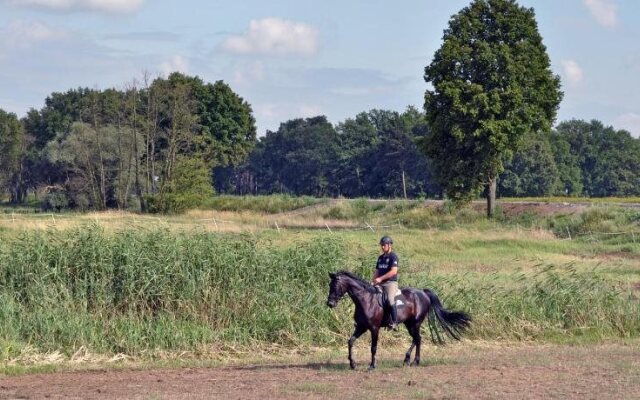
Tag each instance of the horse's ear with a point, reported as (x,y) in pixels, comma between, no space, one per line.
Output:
(332,275)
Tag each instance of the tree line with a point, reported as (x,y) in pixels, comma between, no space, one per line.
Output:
(378,154)
(173,142)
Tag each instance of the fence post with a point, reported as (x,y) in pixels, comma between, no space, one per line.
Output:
(277,227)
(327,225)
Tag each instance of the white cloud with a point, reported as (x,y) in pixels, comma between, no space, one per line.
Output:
(630,122)
(274,36)
(572,71)
(22,34)
(108,6)
(604,11)
(175,64)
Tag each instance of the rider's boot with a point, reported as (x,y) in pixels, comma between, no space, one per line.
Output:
(393,324)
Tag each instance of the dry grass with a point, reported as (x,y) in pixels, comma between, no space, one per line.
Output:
(202,220)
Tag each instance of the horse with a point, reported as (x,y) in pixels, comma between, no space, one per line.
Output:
(416,305)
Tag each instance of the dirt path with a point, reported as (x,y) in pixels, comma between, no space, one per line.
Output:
(471,371)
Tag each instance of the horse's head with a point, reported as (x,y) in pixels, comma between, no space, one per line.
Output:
(337,290)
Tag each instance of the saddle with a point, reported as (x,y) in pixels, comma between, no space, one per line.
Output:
(400,300)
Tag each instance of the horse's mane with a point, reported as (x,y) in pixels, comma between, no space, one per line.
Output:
(361,282)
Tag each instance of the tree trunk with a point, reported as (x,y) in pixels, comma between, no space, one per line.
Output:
(491,196)
(404,186)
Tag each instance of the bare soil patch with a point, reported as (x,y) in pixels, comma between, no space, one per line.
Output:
(467,371)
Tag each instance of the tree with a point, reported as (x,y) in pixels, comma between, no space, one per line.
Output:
(298,158)
(609,159)
(532,171)
(12,151)
(227,122)
(358,136)
(568,164)
(190,187)
(492,84)
(393,165)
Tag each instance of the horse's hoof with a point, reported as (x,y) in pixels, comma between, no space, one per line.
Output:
(352,365)
(415,363)
(371,368)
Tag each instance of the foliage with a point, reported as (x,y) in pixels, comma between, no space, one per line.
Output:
(190,188)
(492,84)
(532,172)
(12,147)
(227,121)
(372,155)
(55,200)
(608,159)
(112,148)
(297,158)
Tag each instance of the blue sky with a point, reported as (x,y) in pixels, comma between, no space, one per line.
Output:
(303,58)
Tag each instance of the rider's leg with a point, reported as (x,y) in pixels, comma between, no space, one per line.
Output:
(391,288)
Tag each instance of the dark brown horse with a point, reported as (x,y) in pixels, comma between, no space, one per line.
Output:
(416,305)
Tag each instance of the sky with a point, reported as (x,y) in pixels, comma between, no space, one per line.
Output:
(301,58)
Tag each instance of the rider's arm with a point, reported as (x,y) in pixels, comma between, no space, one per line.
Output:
(392,272)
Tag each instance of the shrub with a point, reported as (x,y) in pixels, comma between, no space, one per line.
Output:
(55,200)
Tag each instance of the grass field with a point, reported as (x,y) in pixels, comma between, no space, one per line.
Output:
(220,281)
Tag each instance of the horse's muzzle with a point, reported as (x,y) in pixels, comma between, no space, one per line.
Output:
(331,303)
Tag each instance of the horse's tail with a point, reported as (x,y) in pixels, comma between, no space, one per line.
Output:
(454,323)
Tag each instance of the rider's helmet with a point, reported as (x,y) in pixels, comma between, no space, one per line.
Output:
(386,240)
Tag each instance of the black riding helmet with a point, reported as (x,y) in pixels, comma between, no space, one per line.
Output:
(386,240)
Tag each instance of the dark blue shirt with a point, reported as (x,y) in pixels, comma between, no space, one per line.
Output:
(385,262)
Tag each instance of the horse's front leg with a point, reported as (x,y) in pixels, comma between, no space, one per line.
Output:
(414,331)
(356,334)
(407,356)
(374,347)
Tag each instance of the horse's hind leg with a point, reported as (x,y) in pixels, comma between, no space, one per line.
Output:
(356,334)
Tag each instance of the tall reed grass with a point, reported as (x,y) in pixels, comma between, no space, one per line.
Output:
(558,303)
(138,291)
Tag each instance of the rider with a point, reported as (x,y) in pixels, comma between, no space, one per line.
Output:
(386,275)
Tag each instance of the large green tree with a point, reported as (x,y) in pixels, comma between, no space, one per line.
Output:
(491,84)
